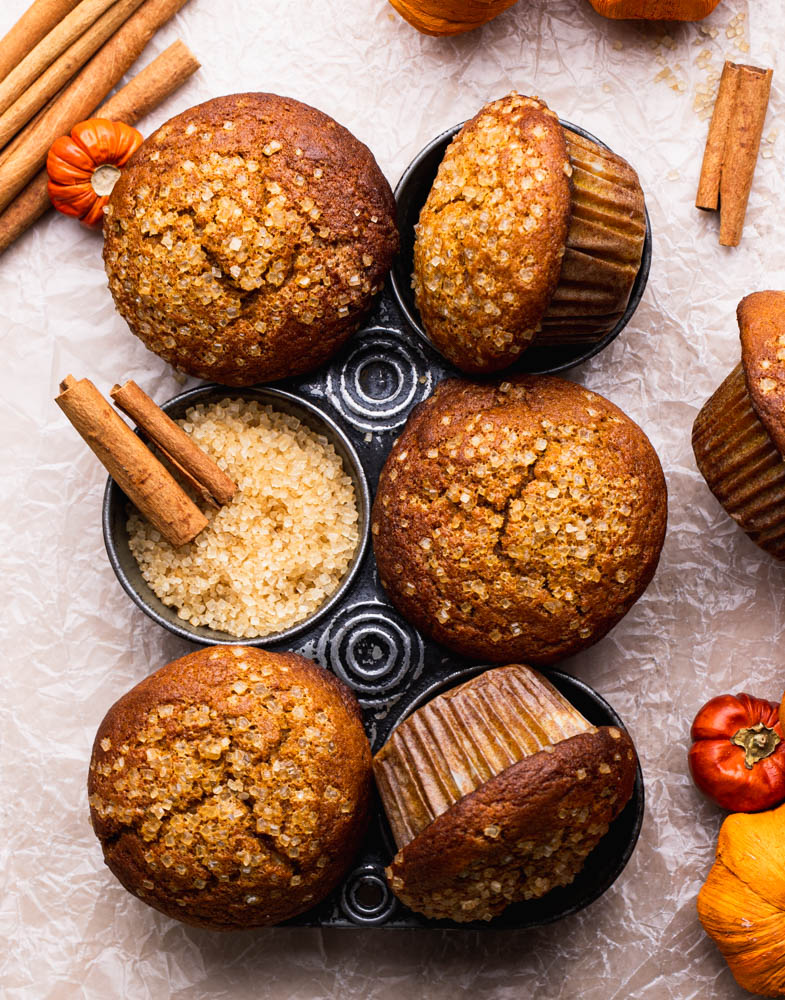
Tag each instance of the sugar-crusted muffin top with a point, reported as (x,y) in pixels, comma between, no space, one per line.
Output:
(246,238)
(518,521)
(230,788)
(522,833)
(761,319)
(492,233)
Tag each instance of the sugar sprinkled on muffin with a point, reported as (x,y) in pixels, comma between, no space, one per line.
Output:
(230,788)
(247,237)
(519,520)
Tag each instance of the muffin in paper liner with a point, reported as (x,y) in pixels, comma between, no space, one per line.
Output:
(496,792)
(531,233)
(604,246)
(739,435)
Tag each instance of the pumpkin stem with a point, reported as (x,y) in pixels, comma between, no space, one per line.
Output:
(758,742)
(104,179)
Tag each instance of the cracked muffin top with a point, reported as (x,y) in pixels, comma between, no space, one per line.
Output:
(247,237)
(520,520)
(230,788)
(492,233)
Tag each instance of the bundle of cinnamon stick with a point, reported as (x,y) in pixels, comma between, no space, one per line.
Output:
(133,466)
(732,147)
(57,64)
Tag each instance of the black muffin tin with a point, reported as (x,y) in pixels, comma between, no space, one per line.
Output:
(366,394)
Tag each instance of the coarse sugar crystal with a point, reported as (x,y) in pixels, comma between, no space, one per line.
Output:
(274,554)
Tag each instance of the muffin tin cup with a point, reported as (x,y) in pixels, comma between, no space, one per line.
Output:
(115,517)
(741,464)
(365,899)
(541,358)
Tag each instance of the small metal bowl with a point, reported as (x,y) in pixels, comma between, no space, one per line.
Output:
(115,518)
(601,868)
(410,196)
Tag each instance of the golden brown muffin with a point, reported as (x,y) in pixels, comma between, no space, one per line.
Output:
(496,792)
(518,521)
(529,232)
(492,232)
(231,788)
(247,237)
(739,435)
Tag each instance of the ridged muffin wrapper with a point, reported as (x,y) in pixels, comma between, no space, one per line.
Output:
(604,247)
(741,464)
(458,741)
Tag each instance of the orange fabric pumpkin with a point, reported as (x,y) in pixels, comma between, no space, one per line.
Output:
(83,167)
(449,17)
(742,903)
(656,10)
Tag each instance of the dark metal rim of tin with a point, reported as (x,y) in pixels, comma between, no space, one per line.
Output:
(399,277)
(127,570)
(555,905)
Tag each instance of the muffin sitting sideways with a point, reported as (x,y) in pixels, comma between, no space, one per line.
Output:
(497,792)
(231,788)
(530,233)
(247,237)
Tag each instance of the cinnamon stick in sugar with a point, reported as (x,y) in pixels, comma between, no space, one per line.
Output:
(130,463)
(19,113)
(200,470)
(732,146)
(36,22)
(141,95)
(91,86)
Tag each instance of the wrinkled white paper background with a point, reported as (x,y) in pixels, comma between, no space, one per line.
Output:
(711,621)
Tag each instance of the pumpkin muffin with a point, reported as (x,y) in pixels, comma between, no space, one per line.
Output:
(518,521)
(530,232)
(496,792)
(247,237)
(231,788)
(739,435)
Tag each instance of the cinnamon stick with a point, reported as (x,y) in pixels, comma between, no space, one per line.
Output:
(732,146)
(130,463)
(16,113)
(36,22)
(64,34)
(200,470)
(90,87)
(141,95)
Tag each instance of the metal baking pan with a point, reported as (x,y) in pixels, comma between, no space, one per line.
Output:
(361,400)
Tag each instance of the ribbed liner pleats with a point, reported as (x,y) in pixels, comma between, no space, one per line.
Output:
(460,740)
(604,246)
(741,464)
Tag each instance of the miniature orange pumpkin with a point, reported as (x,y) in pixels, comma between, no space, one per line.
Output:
(84,166)
(449,17)
(656,10)
(742,903)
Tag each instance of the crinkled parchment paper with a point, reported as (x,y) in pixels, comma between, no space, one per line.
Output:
(711,621)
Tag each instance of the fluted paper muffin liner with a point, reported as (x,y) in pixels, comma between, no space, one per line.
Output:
(740,463)
(604,246)
(460,740)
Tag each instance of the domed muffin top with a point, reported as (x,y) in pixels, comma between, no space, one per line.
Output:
(230,788)
(492,234)
(246,238)
(761,319)
(518,521)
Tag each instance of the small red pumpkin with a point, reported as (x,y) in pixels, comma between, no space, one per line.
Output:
(737,757)
(84,166)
